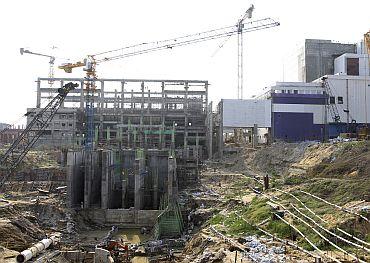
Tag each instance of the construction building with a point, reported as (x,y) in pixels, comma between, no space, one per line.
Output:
(316,58)
(150,137)
(10,133)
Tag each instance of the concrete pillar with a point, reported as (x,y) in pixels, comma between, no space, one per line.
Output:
(221,132)
(210,131)
(155,188)
(100,110)
(186,105)
(255,136)
(38,99)
(89,171)
(82,101)
(172,188)
(74,179)
(124,192)
(106,175)
(139,182)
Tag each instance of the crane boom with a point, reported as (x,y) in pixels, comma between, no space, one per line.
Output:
(51,61)
(170,43)
(15,154)
(90,62)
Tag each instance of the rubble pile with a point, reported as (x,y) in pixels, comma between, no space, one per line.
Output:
(260,252)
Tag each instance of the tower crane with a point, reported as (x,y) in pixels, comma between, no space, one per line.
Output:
(51,61)
(15,154)
(91,61)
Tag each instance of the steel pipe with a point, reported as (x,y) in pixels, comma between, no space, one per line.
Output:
(33,251)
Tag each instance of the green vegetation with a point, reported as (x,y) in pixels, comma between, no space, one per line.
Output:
(340,191)
(257,211)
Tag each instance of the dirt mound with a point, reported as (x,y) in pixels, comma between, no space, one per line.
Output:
(278,157)
(16,231)
(350,160)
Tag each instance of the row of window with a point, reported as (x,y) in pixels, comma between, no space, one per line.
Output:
(66,116)
(63,124)
(339,100)
(295,91)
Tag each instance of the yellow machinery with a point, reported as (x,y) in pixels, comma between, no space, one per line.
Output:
(367,41)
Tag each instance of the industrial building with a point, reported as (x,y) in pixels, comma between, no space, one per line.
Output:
(316,58)
(335,102)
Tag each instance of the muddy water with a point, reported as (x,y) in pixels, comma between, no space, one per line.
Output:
(133,236)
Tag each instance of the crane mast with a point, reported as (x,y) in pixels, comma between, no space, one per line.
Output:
(240,25)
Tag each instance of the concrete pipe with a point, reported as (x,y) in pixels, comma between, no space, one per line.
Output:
(35,249)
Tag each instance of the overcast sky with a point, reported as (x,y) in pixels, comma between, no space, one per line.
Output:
(78,28)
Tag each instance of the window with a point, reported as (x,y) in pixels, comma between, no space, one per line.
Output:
(353,66)
(295,91)
(63,124)
(70,125)
(332,100)
(340,100)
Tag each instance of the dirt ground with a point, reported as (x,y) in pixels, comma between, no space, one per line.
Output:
(227,211)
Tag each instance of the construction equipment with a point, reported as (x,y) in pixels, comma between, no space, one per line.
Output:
(51,61)
(15,154)
(333,109)
(91,61)
(367,41)
(247,14)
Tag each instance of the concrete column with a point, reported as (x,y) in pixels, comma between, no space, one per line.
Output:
(186,105)
(100,110)
(221,132)
(106,178)
(139,181)
(255,136)
(155,188)
(122,95)
(89,171)
(38,99)
(172,180)
(124,192)
(210,131)
(82,101)
(163,109)
(74,179)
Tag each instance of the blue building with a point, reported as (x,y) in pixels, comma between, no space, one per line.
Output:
(298,111)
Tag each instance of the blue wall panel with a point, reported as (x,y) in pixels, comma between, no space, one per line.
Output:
(286,98)
(292,126)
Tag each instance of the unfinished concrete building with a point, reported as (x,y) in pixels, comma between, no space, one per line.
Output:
(150,137)
(316,58)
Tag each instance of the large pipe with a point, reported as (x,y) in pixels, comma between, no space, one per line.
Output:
(36,249)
